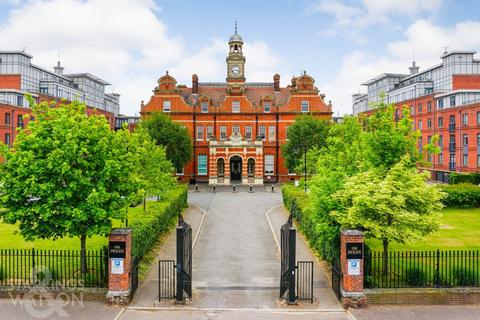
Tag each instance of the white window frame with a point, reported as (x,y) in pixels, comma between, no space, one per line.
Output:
(271,133)
(235,128)
(269,164)
(305,105)
(223,133)
(209,132)
(202,170)
(200,133)
(248,132)
(265,104)
(204,106)
(167,105)
(262,130)
(180,173)
(236,106)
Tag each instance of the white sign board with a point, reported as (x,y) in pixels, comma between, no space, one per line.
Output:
(353,267)
(117,266)
(297,183)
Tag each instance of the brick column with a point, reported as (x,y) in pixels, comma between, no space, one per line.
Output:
(119,263)
(351,260)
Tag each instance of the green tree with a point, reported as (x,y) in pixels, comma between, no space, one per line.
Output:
(173,136)
(307,132)
(68,174)
(155,170)
(397,206)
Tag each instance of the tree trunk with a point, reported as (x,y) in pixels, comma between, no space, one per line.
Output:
(83,253)
(385,256)
(144,203)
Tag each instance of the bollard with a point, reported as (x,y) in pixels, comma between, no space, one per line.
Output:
(273,188)
(234,186)
(196,187)
(250,188)
(214,187)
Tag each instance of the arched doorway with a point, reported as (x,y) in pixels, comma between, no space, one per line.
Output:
(235,168)
(251,167)
(220,167)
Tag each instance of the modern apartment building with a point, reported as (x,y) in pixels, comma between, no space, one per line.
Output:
(443,100)
(18,76)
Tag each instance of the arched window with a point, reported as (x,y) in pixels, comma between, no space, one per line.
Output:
(251,167)
(220,167)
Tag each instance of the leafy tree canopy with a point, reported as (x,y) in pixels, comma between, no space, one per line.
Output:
(173,136)
(307,133)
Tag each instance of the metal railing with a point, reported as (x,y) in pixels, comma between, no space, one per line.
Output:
(53,268)
(437,268)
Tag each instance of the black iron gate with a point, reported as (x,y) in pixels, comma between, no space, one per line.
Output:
(287,252)
(305,280)
(336,276)
(184,260)
(175,280)
(134,276)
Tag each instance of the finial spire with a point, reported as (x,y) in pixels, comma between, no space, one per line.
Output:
(235,26)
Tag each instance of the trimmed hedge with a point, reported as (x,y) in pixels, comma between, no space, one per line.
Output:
(323,238)
(156,220)
(458,178)
(463,195)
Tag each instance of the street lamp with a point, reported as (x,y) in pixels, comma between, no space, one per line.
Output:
(304,145)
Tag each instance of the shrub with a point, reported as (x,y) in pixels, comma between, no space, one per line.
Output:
(415,277)
(461,195)
(323,238)
(458,178)
(160,215)
(464,277)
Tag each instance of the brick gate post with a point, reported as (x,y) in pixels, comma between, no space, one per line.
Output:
(351,259)
(119,263)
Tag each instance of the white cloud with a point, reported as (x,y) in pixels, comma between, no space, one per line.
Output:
(123,42)
(424,38)
(351,20)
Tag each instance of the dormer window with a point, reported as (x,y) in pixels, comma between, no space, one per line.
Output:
(204,106)
(167,106)
(236,106)
(267,106)
(305,104)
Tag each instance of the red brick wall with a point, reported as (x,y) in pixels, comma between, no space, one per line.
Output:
(466,82)
(10,81)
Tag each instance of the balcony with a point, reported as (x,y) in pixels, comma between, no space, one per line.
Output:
(451,166)
(451,147)
(451,127)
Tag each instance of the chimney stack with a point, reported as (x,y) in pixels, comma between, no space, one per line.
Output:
(58,69)
(276,82)
(194,84)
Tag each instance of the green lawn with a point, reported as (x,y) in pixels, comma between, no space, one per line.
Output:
(459,230)
(10,239)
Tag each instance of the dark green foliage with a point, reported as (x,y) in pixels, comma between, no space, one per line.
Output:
(458,178)
(322,236)
(464,277)
(415,277)
(159,216)
(461,195)
(173,136)
(307,133)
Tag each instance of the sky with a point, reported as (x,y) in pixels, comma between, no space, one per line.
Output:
(341,43)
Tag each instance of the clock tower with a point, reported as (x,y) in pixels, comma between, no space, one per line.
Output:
(235,59)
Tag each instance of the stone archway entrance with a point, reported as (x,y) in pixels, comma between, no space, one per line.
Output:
(236,168)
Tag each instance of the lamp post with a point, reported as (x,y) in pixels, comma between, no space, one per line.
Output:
(304,145)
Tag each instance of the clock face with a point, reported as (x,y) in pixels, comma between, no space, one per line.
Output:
(236,70)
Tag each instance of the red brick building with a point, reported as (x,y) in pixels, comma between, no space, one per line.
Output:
(444,100)
(237,127)
(18,76)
